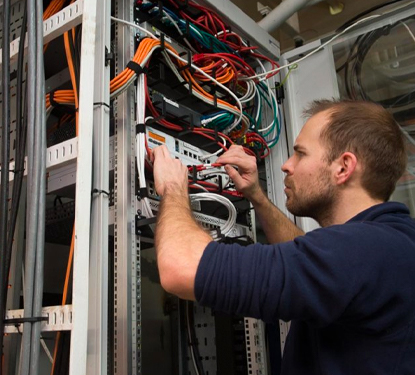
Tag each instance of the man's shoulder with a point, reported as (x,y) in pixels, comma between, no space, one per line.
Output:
(386,231)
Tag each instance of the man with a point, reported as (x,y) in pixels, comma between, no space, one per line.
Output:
(349,287)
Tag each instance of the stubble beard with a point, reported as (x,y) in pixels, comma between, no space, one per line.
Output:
(317,200)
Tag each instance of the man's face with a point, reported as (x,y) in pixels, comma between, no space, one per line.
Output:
(309,185)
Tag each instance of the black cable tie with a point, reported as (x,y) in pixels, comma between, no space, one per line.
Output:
(97,191)
(140,128)
(162,42)
(137,68)
(188,65)
(160,14)
(33,319)
(218,232)
(102,104)
(52,101)
(15,171)
(143,192)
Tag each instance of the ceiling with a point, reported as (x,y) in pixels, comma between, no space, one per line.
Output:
(314,21)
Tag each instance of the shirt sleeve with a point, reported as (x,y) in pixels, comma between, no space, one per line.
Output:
(310,278)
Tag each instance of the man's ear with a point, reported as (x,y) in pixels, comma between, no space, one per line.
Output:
(345,166)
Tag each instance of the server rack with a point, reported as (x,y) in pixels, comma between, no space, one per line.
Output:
(112,263)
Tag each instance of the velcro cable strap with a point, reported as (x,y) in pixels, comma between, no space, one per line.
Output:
(143,193)
(140,128)
(137,68)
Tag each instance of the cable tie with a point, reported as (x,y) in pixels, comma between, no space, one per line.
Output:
(15,171)
(137,68)
(142,192)
(97,191)
(140,128)
(33,319)
(53,102)
(102,104)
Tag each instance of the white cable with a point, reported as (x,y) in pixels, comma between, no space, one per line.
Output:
(177,28)
(204,157)
(46,349)
(272,98)
(140,145)
(209,101)
(409,30)
(230,222)
(314,51)
(200,187)
(239,113)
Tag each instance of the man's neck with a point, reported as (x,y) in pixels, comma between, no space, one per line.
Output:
(348,206)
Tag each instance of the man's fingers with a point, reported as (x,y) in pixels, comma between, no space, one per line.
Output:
(235,155)
(160,152)
(233,174)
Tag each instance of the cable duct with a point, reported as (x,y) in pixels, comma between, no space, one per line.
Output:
(282,13)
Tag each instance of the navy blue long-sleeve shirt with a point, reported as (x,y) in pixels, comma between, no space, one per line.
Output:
(348,289)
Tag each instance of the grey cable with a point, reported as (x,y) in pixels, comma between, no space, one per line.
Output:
(32,192)
(5,159)
(41,125)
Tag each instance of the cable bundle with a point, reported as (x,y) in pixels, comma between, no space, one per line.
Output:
(141,147)
(227,227)
(357,56)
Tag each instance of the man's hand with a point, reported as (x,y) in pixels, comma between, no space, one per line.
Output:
(169,174)
(179,239)
(246,177)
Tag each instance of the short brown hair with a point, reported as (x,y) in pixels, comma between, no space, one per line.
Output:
(371,133)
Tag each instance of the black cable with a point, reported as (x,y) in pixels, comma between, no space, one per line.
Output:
(363,46)
(20,146)
(4,191)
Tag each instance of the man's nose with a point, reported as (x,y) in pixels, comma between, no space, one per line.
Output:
(287,166)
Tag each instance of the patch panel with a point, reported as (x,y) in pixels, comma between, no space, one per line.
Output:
(210,222)
(181,113)
(189,155)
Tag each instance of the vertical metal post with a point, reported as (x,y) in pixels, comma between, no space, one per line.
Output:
(126,279)
(98,274)
(78,350)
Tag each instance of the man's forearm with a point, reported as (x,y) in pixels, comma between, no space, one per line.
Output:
(180,243)
(276,226)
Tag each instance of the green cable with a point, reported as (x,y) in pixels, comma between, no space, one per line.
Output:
(290,69)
